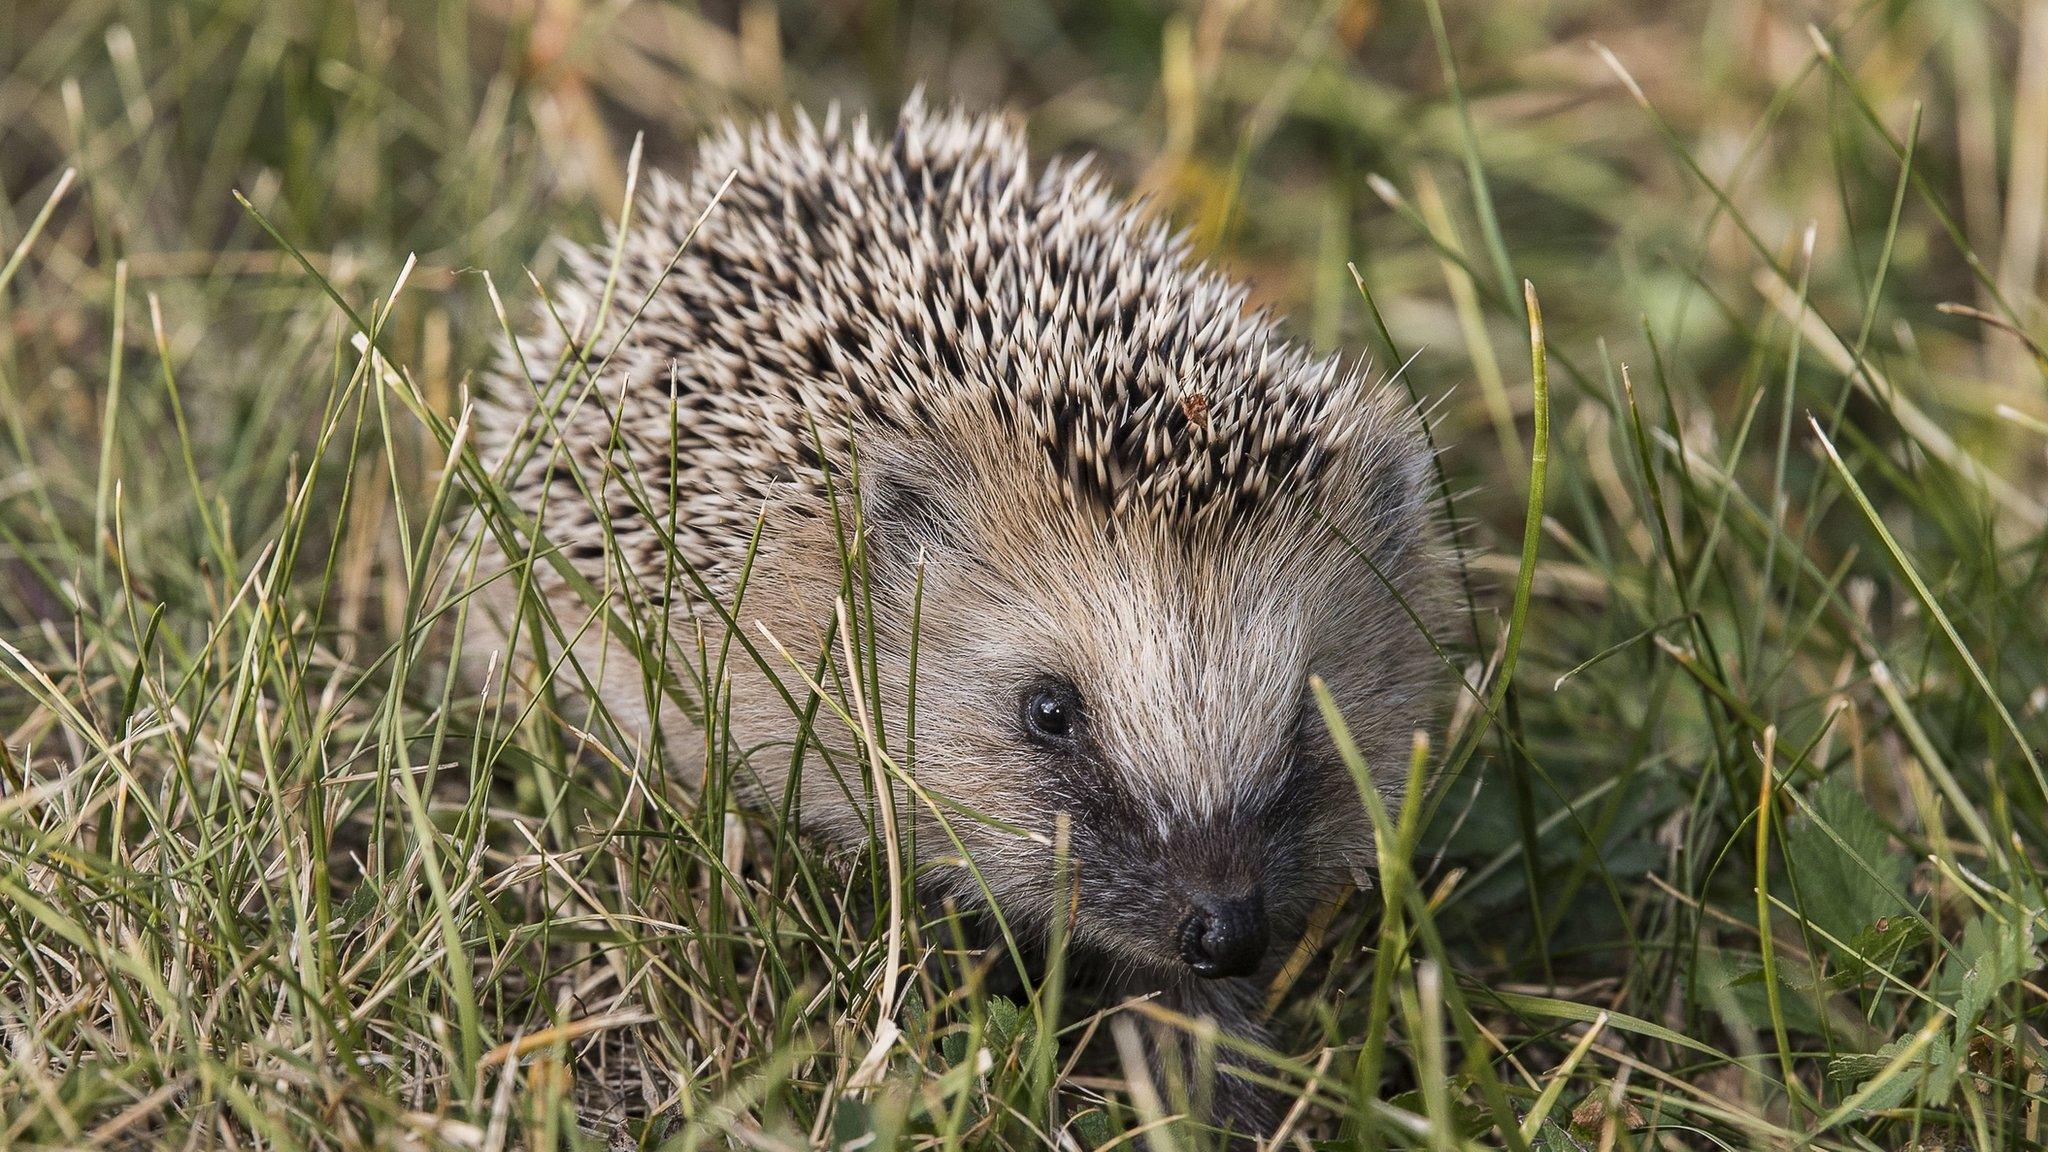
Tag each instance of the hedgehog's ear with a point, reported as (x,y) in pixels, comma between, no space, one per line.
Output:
(904,514)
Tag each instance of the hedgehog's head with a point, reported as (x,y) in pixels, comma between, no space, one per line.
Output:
(1125,645)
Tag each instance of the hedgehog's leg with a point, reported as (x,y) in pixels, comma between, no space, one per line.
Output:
(1236,1009)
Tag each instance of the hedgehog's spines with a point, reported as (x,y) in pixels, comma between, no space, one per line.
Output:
(927,277)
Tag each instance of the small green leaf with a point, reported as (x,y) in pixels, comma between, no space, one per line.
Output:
(1931,1074)
(1467,1120)
(1004,1019)
(1880,945)
(1092,1128)
(1554,1137)
(850,1120)
(1991,955)
(358,906)
(1848,875)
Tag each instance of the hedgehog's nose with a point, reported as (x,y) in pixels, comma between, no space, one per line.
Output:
(1224,936)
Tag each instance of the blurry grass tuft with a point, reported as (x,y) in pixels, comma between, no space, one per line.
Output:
(1734,833)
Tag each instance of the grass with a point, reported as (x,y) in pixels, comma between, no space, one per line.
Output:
(1734,837)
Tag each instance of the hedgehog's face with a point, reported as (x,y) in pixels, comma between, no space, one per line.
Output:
(1147,703)
(1195,843)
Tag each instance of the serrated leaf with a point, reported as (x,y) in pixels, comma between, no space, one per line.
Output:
(358,906)
(1880,945)
(1092,1128)
(1991,955)
(1930,1074)
(1004,1020)
(1848,875)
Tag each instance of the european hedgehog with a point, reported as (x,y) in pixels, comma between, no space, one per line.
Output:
(1125,517)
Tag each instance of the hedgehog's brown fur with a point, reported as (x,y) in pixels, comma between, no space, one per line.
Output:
(1080,459)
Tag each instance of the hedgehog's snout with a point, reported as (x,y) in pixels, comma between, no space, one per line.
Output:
(1223,935)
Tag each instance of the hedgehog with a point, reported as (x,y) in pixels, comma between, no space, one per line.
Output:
(1112,520)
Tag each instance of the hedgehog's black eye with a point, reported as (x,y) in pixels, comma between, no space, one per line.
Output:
(1052,715)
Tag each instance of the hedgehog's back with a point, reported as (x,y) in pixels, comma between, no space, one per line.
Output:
(810,284)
